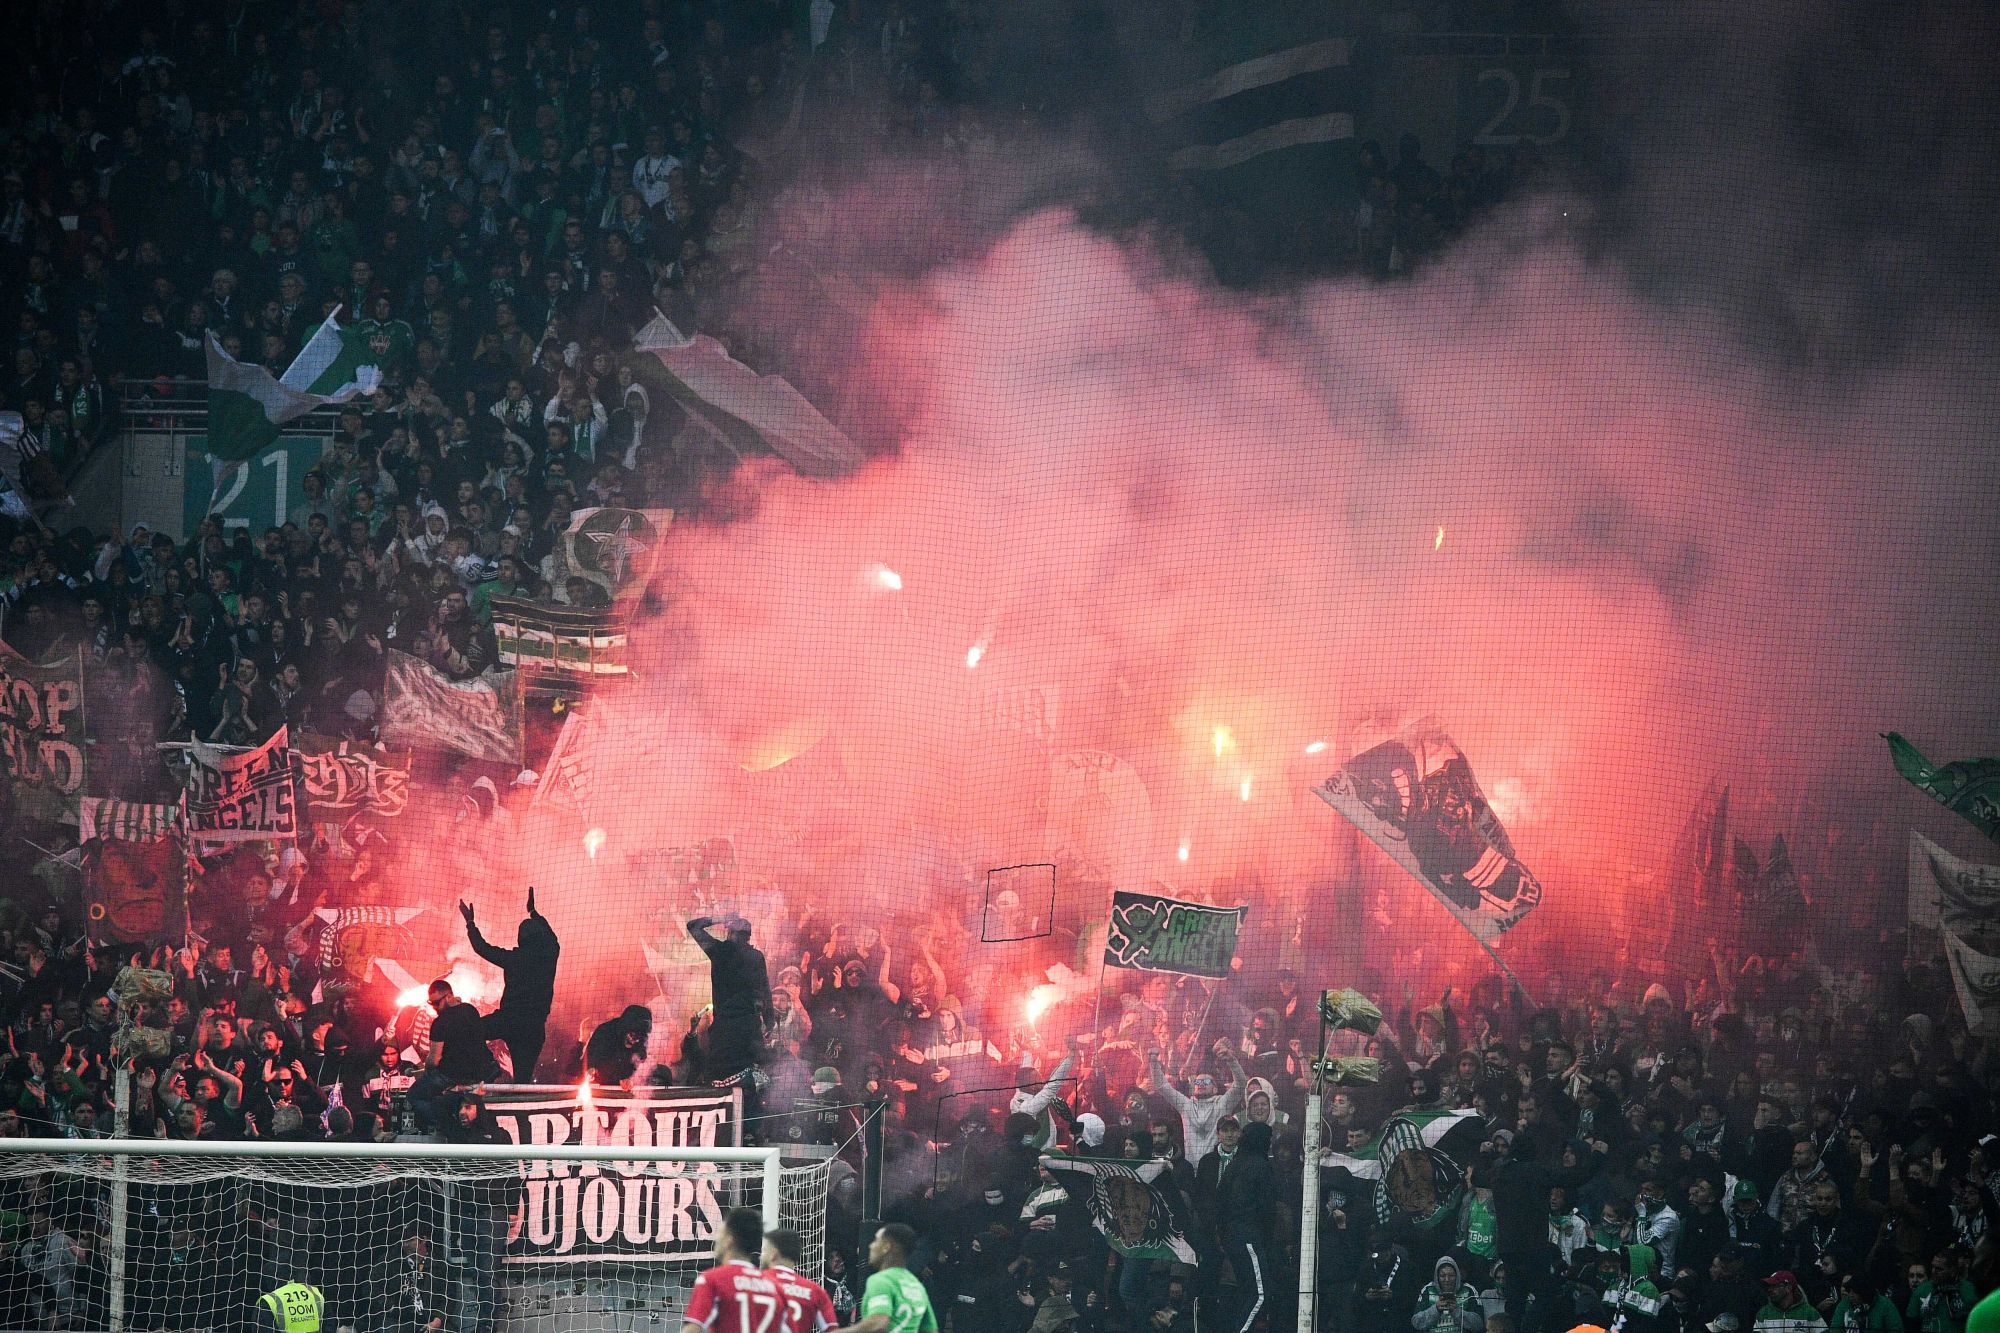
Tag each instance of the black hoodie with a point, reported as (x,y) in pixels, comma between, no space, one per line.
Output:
(530,969)
(1249,1189)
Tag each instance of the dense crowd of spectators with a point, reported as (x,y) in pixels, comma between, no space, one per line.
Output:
(507,195)
(1769,1162)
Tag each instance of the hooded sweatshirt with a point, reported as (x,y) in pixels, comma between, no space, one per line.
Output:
(424,547)
(1037,1104)
(1465,1313)
(1249,1191)
(529,967)
(1263,1085)
(1799,1317)
(1636,1302)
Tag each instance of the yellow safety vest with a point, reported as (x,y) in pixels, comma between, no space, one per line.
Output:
(295,1307)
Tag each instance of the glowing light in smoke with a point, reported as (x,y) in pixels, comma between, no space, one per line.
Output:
(1225,741)
(1183,852)
(593,842)
(583,1091)
(1244,790)
(1440,538)
(1316,747)
(974,653)
(466,984)
(1039,1000)
(888,579)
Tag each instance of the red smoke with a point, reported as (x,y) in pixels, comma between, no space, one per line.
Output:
(1204,526)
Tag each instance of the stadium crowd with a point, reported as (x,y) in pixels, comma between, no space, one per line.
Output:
(1767,1162)
(506,195)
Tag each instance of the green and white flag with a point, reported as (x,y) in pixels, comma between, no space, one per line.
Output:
(1969,788)
(336,363)
(1128,1204)
(1153,933)
(748,412)
(247,404)
(1948,893)
(1417,1163)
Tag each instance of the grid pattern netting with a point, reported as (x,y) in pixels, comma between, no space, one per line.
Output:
(476,1244)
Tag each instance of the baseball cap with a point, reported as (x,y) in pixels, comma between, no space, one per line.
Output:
(1726,1322)
(826,1074)
(1745,1189)
(1782,1278)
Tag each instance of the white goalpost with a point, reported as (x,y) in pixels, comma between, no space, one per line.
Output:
(157,1234)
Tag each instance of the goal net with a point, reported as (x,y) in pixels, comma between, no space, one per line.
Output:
(156,1234)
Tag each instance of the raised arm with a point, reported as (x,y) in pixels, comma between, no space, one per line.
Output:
(1232,1100)
(926,946)
(697,930)
(888,987)
(1040,1101)
(492,953)
(1181,1101)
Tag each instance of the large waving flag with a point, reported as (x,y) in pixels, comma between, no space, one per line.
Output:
(751,413)
(1416,799)
(337,362)
(247,404)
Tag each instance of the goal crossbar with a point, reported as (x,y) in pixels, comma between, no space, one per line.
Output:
(768,1159)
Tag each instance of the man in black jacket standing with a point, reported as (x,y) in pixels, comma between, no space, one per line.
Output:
(1521,1186)
(740,990)
(522,1020)
(1248,1205)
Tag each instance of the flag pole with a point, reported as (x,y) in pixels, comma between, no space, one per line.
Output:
(1214,986)
(1505,970)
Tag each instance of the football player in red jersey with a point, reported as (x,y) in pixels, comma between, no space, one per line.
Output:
(807,1307)
(736,1296)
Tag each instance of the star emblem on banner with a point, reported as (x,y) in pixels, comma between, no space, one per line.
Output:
(617,549)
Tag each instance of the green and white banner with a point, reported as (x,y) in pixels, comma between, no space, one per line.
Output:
(247,404)
(1152,933)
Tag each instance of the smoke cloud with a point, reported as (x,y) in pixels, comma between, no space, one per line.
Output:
(1633,489)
